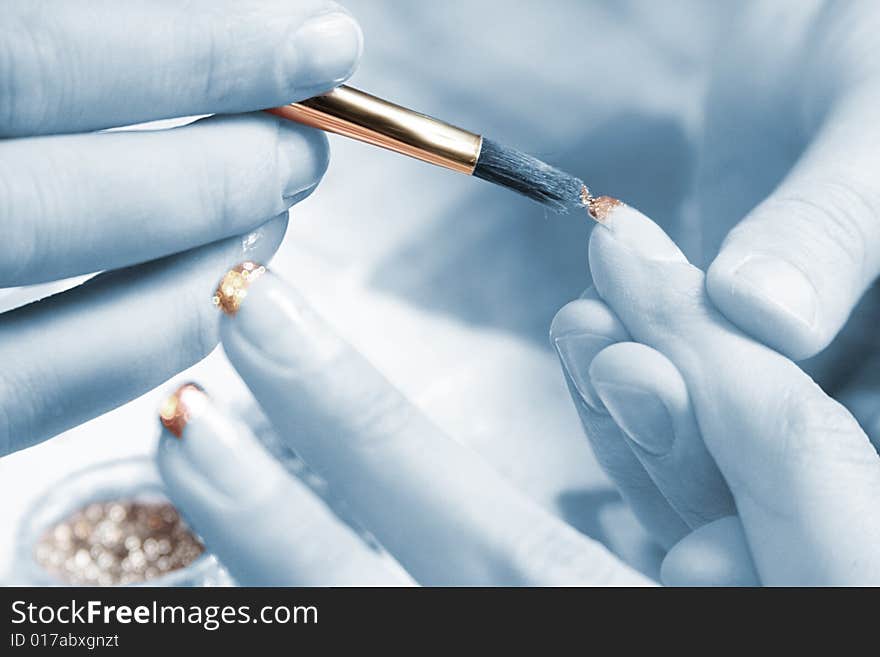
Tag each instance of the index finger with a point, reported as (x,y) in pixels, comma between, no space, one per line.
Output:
(84,65)
(441,511)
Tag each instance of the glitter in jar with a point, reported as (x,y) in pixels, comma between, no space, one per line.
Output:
(117,542)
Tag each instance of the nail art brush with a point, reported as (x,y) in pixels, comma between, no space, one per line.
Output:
(353,113)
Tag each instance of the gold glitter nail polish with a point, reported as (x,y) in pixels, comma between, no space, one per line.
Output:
(233,288)
(181,407)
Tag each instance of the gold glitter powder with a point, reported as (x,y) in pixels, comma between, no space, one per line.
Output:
(601,207)
(181,407)
(117,542)
(586,197)
(233,288)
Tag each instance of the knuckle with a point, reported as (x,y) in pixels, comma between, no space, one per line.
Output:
(842,215)
(816,427)
(376,413)
(382,414)
(684,299)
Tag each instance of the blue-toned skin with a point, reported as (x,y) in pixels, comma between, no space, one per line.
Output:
(160,212)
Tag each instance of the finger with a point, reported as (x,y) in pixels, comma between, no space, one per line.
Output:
(791,272)
(647,397)
(83,352)
(861,396)
(716,554)
(83,203)
(783,446)
(266,527)
(82,65)
(580,330)
(444,514)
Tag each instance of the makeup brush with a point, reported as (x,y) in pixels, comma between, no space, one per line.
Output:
(353,113)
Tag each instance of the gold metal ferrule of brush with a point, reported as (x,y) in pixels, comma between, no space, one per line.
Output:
(352,113)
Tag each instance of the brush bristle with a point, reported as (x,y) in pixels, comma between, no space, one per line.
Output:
(559,191)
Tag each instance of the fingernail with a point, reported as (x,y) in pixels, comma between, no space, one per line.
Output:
(638,233)
(778,283)
(273,318)
(295,196)
(640,414)
(326,49)
(576,352)
(303,158)
(234,286)
(218,448)
(182,406)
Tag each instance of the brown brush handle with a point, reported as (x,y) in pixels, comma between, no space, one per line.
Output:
(353,113)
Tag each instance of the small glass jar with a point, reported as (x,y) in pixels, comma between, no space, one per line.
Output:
(130,480)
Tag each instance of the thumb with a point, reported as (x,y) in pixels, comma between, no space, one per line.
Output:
(791,272)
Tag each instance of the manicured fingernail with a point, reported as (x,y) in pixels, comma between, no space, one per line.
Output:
(220,449)
(274,319)
(779,284)
(182,406)
(326,49)
(636,232)
(233,287)
(576,352)
(640,414)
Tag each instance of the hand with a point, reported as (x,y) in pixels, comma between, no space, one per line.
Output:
(792,142)
(184,201)
(436,507)
(710,417)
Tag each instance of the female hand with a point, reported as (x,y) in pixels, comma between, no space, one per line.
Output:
(712,423)
(158,211)
(435,506)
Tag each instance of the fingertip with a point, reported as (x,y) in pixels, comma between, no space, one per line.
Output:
(303,159)
(325,52)
(589,315)
(769,298)
(209,455)
(715,554)
(638,269)
(263,242)
(628,228)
